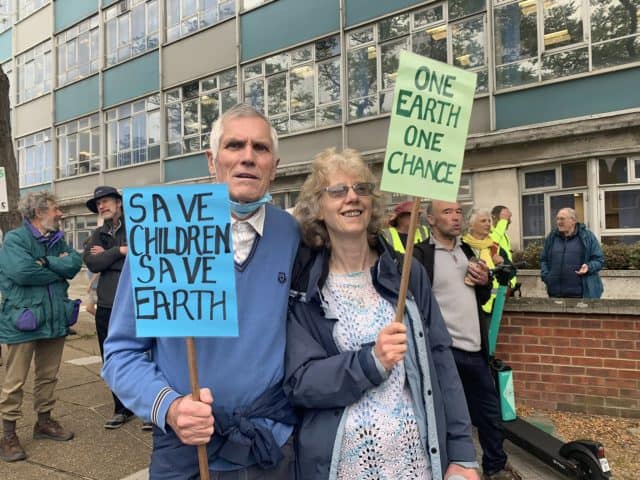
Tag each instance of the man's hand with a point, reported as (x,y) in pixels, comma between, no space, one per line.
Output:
(497,259)
(478,273)
(124,250)
(391,344)
(505,213)
(192,420)
(466,473)
(96,249)
(63,254)
(584,269)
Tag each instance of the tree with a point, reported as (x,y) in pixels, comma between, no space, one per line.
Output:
(11,219)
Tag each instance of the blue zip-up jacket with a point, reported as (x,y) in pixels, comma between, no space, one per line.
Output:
(322,381)
(553,267)
(35,303)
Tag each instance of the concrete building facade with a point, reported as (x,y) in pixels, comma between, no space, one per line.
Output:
(123,92)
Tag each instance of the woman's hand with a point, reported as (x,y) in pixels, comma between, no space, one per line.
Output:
(391,344)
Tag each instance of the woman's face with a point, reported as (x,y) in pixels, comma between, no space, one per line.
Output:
(481,227)
(346,213)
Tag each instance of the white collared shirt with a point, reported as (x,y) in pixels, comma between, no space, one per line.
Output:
(244,233)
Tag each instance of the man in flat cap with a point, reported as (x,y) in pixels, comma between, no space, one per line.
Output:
(104,253)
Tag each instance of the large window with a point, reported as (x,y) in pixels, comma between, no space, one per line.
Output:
(35,161)
(79,146)
(605,188)
(248,4)
(78,51)
(299,89)
(27,7)
(192,108)
(618,178)
(78,229)
(562,26)
(34,72)
(186,16)
(131,28)
(133,132)
(6,17)
(548,189)
(436,31)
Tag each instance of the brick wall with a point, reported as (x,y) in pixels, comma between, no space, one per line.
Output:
(580,362)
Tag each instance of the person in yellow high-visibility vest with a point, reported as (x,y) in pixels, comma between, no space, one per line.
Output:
(500,220)
(396,234)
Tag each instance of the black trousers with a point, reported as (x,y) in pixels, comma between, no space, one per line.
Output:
(102,329)
(484,407)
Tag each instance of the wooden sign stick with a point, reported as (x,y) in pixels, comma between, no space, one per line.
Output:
(408,255)
(203,461)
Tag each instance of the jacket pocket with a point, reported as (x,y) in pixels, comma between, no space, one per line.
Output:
(27,319)
(72,310)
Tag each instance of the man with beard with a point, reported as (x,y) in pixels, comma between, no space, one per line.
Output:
(104,253)
(35,266)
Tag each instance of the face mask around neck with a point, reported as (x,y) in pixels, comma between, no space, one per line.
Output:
(246,209)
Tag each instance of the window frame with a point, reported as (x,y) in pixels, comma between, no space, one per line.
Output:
(113,14)
(62,133)
(199,13)
(94,60)
(26,65)
(41,163)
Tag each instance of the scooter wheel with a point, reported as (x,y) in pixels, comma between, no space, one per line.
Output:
(588,469)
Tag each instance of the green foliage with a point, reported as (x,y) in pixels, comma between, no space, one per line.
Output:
(616,256)
(634,256)
(530,255)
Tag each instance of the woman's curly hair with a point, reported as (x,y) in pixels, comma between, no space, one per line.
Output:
(307,209)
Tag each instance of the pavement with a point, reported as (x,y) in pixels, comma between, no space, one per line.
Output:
(84,403)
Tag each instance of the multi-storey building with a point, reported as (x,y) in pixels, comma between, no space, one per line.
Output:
(123,92)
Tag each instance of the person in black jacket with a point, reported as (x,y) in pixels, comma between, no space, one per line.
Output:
(105,253)
(461,286)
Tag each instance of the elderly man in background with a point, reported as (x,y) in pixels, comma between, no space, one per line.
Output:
(253,419)
(571,259)
(35,266)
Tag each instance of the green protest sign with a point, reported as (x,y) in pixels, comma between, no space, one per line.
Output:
(429,123)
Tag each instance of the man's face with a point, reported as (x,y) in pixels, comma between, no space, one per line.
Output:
(565,222)
(244,158)
(445,219)
(50,218)
(109,208)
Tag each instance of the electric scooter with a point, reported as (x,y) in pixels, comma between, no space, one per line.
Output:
(579,459)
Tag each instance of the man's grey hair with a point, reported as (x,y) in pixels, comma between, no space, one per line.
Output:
(570,212)
(241,110)
(35,202)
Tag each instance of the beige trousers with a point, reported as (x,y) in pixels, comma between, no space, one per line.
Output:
(47,355)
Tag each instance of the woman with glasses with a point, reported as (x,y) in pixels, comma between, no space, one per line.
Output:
(379,399)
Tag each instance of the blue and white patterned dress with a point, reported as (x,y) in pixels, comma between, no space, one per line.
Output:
(381,438)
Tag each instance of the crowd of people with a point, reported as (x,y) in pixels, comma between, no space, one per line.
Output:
(322,383)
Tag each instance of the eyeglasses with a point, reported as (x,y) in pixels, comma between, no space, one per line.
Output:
(362,189)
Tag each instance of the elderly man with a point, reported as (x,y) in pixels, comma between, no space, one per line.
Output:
(104,253)
(461,288)
(253,419)
(571,259)
(35,264)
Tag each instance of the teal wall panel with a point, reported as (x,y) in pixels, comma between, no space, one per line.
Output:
(584,96)
(5,45)
(77,99)
(70,12)
(358,11)
(183,168)
(106,3)
(36,188)
(286,22)
(131,79)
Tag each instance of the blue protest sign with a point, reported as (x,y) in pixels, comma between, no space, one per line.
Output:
(181,260)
